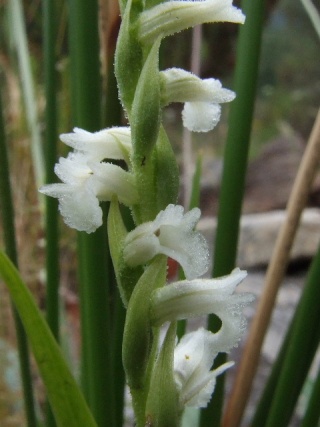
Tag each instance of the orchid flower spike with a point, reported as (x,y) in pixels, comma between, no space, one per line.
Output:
(201,111)
(172,234)
(191,298)
(87,179)
(193,359)
(173,16)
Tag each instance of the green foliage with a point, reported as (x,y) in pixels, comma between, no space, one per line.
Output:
(137,334)
(67,402)
(126,276)
(162,408)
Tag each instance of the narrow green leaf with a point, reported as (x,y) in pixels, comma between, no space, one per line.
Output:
(235,164)
(9,238)
(312,415)
(67,402)
(303,344)
(19,36)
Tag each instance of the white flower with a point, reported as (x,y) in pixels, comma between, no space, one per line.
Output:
(173,16)
(172,234)
(85,184)
(202,111)
(193,360)
(190,298)
(113,143)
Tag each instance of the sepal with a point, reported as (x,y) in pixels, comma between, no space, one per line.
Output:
(173,16)
(191,298)
(111,143)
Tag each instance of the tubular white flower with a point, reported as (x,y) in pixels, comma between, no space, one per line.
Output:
(112,143)
(202,111)
(85,183)
(173,16)
(193,359)
(172,234)
(186,299)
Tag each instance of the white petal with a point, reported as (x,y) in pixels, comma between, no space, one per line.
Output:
(141,250)
(200,116)
(78,206)
(74,169)
(113,143)
(172,215)
(186,299)
(56,190)
(189,249)
(173,16)
(81,211)
(179,241)
(193,359)
(179,85)
(111,180)
(176,238)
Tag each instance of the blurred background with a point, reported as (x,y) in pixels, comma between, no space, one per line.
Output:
(287,101)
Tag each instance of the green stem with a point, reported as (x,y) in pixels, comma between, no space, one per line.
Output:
(301,349)
(7,215)
(52,235)
(97,374)
(235,163)
(312,415)
(263,407)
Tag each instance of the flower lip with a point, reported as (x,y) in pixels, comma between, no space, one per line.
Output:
(193,359)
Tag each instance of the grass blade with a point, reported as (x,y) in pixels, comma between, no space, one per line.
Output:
(235,163)
(7,215)
(19,36)
(66,400)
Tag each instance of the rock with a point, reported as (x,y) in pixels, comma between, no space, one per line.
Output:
(259,232)
(269,180)
(271,175)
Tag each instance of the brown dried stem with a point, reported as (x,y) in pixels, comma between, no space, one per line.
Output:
(275,273)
